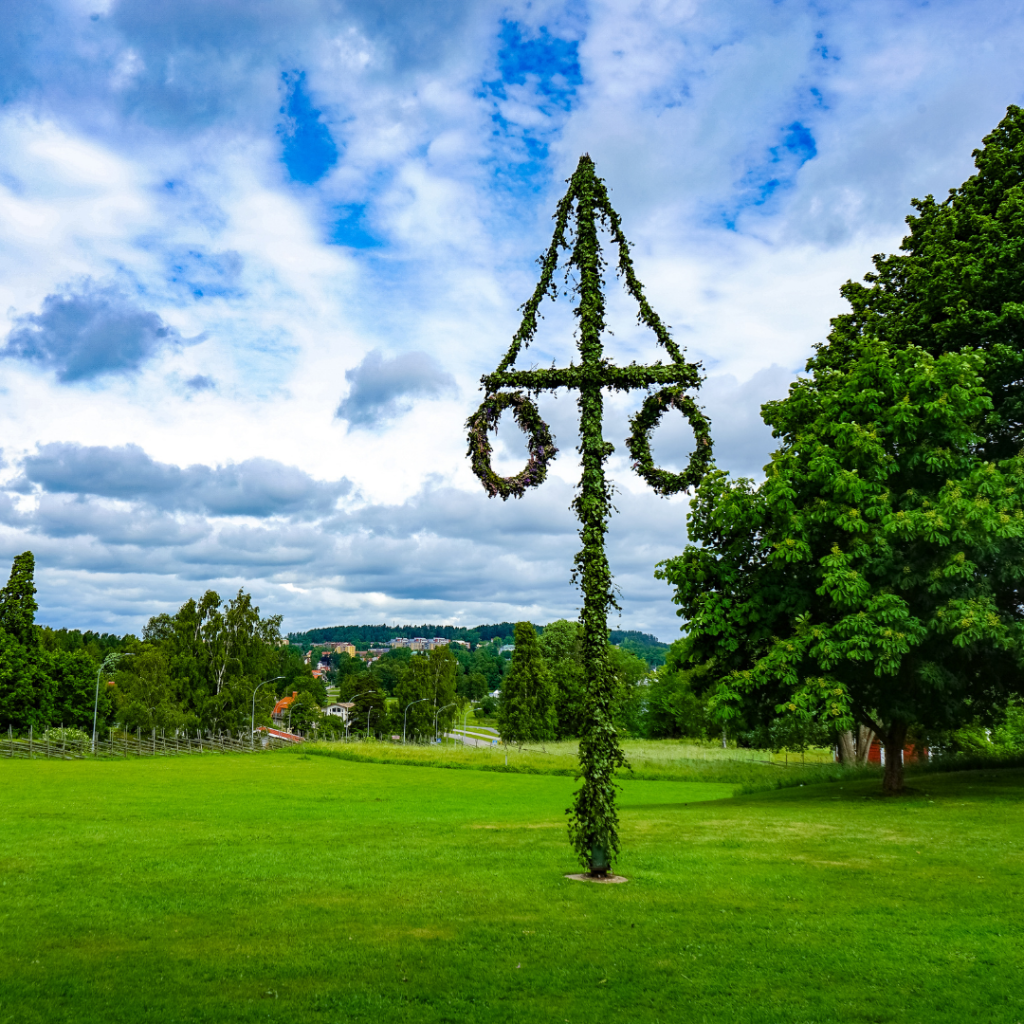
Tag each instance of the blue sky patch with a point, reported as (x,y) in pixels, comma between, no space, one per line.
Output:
(799,142)
(309,150)
(547,66)
(552,62)
(776,175)
(348,227)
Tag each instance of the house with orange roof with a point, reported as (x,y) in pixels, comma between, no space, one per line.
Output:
(282,706)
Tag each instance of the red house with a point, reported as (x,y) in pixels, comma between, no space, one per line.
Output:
(911,753)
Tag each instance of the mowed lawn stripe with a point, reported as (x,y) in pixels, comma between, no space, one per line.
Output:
(285,888)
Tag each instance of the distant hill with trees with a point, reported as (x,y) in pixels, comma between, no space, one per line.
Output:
(643,645)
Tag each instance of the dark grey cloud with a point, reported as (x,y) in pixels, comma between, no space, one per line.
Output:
(383,388)
(58,517)
(90,331)
(446,554)
(256,487)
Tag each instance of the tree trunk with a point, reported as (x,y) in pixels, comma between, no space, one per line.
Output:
(895,738)
(847,752)
(865,737)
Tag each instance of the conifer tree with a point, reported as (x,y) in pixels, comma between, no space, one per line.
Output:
(18,602)
(27,692)
(527,709)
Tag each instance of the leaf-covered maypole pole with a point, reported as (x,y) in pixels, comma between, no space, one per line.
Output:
(593,827)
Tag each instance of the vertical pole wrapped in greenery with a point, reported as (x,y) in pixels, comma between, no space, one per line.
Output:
(593,824)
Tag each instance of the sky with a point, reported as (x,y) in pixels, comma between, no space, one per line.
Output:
(256,254)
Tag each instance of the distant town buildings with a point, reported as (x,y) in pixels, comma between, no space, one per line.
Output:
(415,644)
(418,643)
(340,647)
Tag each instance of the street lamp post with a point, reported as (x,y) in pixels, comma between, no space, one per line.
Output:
(252,723)
(405,717)
(352,700)
(110,660)
(436,713)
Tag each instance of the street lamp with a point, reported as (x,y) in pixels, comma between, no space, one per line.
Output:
(252,724)
(368,710)
(405,717)
(110,660)
(351,700)
(436,713)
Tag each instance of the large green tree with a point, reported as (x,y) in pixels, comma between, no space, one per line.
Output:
(526,712)
(145,695)
(216,654)
(562,650)
(865,580)
(429,687)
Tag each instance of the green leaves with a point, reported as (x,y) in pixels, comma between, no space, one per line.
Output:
(18,601)
(893,509)
(593,825)
(541,446)
(958,282)
(873,576)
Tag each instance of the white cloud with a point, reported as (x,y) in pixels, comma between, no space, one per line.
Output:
(141,150)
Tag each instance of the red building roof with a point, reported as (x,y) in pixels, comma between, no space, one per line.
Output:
(284,703)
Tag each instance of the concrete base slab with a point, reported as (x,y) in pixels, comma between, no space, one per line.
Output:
(600,879)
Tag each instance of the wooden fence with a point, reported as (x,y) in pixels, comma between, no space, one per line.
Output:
(137,744)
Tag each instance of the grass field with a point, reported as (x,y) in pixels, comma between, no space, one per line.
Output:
(653,760)
(285,887)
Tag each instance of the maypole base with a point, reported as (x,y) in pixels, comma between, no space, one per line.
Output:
(600,879)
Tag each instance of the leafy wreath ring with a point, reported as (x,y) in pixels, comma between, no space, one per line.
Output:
(540,443)
(639,441)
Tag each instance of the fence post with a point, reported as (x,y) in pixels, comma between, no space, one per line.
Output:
(30,741)
(10,739)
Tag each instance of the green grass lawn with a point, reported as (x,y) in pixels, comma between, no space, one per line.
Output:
(654,760)
(283,887)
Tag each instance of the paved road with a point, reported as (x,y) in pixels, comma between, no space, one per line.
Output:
(474,740)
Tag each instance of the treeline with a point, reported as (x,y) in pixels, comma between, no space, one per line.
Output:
(389,692)
(383,633)
(643,645)
(196,669)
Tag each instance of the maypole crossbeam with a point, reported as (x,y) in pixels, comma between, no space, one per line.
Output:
(593,826)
